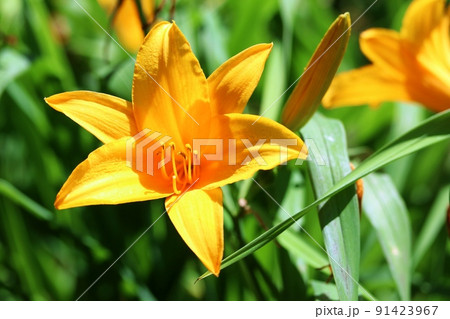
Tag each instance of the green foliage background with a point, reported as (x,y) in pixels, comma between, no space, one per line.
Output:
(48,47)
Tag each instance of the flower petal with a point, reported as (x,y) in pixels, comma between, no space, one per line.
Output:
(105,178)
(148,8)
(386,50)
(170,93)
(420,19)
(434,53)
(319,73)
(366,85)
(126,22)
(250,143)
(232,84)
(107,117)
(198,217)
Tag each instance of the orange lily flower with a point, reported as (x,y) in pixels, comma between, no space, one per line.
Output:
(411,65)
(127,21)
(172,97)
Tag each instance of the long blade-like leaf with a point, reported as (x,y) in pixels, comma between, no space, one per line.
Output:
(16,196)
(339,217)
(434,223)
(388,214)
(430,132)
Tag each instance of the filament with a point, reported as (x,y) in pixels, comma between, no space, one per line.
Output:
(163,167)
(184,165)
(174,185)
(189,164)
(195,168)
(174,164)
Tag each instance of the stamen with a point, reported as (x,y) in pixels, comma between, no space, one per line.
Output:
(184,165)
(189,163)
(174,164)
(163,167)
(196,160)
(174,185)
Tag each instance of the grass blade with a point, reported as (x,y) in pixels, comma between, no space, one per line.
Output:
(433,224)
(16,196)
(388,214)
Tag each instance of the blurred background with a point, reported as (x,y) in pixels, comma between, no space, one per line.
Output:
(53,46)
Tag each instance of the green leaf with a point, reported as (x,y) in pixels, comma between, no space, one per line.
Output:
(12,64)
(27,102)
(23,252)
(274,84)
(294,239)
(302,249)
(54,56)
(324,291)
(405,116)
(388,214)
(213,36)
(16,196)
(432,131)
(121,79)
(339,217)
(433,225)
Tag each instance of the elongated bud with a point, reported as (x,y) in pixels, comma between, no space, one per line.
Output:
(318,74)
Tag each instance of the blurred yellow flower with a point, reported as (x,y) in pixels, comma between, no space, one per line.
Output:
(127,21)
(410,65)
(172,97)
(318,74)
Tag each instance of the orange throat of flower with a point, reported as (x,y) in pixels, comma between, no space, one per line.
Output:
(181,167)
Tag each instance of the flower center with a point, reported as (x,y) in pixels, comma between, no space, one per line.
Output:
(182,167)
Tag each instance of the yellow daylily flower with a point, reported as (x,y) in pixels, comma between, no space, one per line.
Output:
(411,65)
(127,21)
(172,97)
(319,72)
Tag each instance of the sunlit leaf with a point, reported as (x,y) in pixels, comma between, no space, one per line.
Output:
(339,217)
